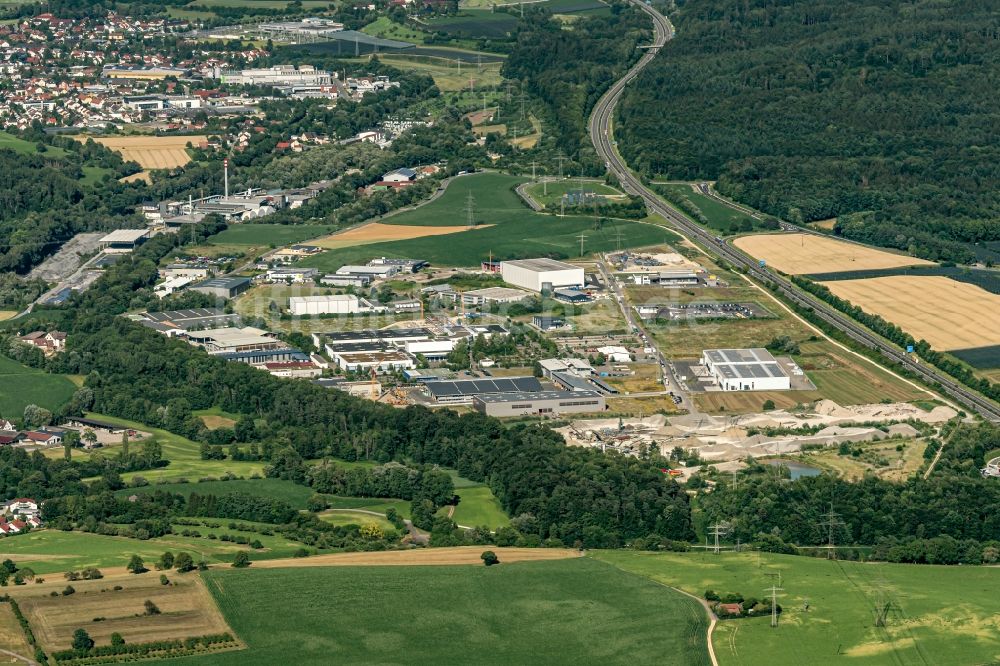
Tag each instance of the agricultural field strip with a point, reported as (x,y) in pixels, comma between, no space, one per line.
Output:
(806,254)
(948,314)
(153,152)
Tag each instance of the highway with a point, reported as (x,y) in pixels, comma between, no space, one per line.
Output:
(601,135)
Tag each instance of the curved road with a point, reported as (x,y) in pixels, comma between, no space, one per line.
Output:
(600,134)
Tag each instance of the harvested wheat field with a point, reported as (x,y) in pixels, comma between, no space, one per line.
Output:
(803,254)
(946,313)
(152,152)
(421,556)
(187,609)
(378,232)
(142,175)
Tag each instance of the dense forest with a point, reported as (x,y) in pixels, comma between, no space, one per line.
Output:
(873,111)
(566,71)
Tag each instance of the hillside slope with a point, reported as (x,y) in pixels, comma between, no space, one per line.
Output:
(877,112)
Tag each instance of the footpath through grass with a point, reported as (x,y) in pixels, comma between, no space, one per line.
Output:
(576,611)
(940,615)
(21,386)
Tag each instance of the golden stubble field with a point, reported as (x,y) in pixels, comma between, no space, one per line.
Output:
(802,254)
(378,233)
(187,609)
(946,313)
(152,152)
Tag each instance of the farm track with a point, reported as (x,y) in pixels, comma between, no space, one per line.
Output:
(601,135)
(468,555)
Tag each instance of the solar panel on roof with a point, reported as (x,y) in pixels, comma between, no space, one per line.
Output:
(443,388)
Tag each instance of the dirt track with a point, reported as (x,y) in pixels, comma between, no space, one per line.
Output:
(421,556)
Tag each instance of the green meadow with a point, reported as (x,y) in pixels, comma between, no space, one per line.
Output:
(21,386)
(939,614)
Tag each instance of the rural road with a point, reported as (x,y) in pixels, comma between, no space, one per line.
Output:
(670,383)
(19,657)
(601,135)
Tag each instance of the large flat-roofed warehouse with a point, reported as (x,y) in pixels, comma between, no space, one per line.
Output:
(541,403)
(172,322)
(746,370)
(335,304)
(123,240)
(379,361)
(223,287)
(541,274)
(233,339)
(462,391)
(491,295)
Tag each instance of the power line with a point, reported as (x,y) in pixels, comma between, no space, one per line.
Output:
(582,238)
(831,522)
(774,589)
(717,530)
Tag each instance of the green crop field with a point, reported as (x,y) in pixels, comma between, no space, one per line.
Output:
(53,551)
(941,615)
(720,217)
(21,386)
(268,234)
(506,228)
(289,491)
(577,611)
(494,202)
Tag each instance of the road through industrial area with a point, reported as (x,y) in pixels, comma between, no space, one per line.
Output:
(601,134)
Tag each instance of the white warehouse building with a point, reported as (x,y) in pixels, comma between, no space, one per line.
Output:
(746,370)
(315,305)
(541,274)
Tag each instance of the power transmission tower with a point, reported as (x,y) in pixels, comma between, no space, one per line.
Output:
(774,589)
(533,165)
(717,530)
(618,248)
(582,238)
(470,210)
(831,520)
(560,158)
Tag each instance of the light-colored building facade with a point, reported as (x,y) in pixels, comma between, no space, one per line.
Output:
(541,274)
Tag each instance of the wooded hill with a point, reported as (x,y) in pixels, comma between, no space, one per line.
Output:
(879,112)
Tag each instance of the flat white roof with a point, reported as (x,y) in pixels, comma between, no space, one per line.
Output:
(125,236)
(335,298)
(233,337)
(541,264)
(497,292)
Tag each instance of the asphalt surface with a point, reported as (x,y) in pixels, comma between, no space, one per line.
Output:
(600,134)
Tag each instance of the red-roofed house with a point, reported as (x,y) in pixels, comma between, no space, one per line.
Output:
(43,437)
(21,506)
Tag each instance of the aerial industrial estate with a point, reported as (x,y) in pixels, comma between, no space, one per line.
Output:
(298,299)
